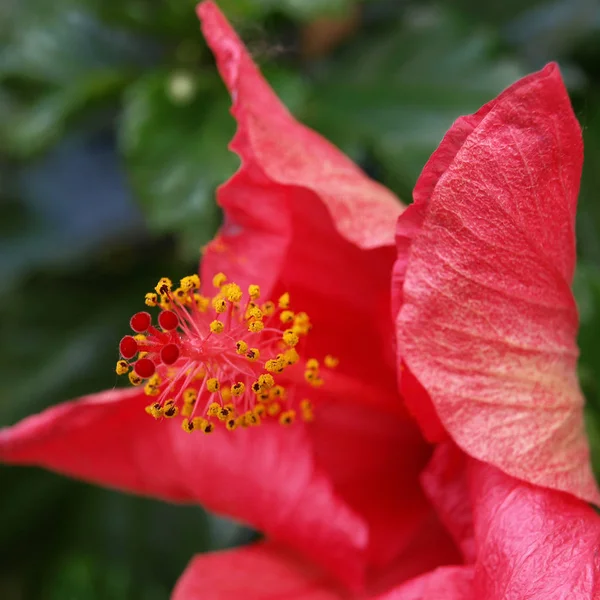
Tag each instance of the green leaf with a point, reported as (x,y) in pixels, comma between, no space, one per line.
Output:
(176,153)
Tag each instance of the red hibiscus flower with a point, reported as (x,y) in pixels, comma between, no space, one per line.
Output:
(350,499)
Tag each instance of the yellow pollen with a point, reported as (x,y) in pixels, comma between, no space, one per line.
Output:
(164,285)
(140,337)
(154,410)
(263,397)
(286,316)
(219,304)
(202,302)
(165,303)
(206,426)
(226,393)
(284,301)
(170,410)
(266,381)
(219,280)
(268,308)
(213,409)
(151,299)
(312,364)
(134,379)
(254,312)
(241,347)
(251,419)
(254,291)
(223,414)
(253,354)
(181,295)
(191,282)
(291,356)
(212,385)
(187,410)
(274,409)
(256,326)
(290,338)
(287,417)
(217,326)
(277,391)
(190,396)
(233,293)
(187,425)
(331,362)
(122,367)
(237,389)
(231,424)
(275,365)
(259,410)
(151,390)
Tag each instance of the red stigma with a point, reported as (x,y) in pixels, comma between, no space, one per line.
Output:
(169,354)
(140,322)
(145,368)
(168,320)
(128,347)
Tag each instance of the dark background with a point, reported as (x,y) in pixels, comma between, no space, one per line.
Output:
(113,135)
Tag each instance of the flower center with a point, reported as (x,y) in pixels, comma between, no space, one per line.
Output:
(217,361)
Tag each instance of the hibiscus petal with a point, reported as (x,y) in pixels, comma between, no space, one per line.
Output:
(263,476)
(446,483)
(259,572)
(302,217)
(532,542)
(445,583)
(488,322)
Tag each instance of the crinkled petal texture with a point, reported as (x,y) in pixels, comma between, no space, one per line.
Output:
(262,571)
(302,217)
(532,542)
(265,476)
(486,320)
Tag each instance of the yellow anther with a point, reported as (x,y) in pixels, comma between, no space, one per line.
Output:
(259,410)
(191,282)
(181,295)
(252,419)
(287,417)
(190,396)
(206,426)
(212,385)
(217,326)
(331,362)
(274,409)
(284,301)
(187,410)
(266,381)
(219,279)
(301,318)
(253,354)
(151,299)
(241,347)
(254,291)
(310,375)
(155,380)
(154,409)
(306,405)
(237,389)
(291,356)
(226,393)
(134,378)
(164,285)
(199,375)
(263,397)
(268,308)
(312,364)
(142,354)
(234,292)
(231,424)
(276,392)
(151,390)
(165,303)
(219,304)
(170,410)
(187,425)
(202,302)
(256,388)
(122,367)
(255,326)
(213,409)
(286,316)
(140,337)
(253,312)
(307,414)
(223,414)
(290,338)
(275,365)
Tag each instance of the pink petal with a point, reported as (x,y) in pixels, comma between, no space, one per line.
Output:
(302,217)
(259,572)
(264,476)
(532,542)
(487,322)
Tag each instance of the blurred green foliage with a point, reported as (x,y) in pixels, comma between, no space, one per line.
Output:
(114,128)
